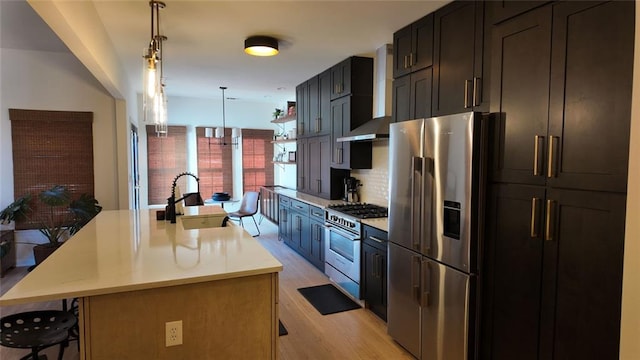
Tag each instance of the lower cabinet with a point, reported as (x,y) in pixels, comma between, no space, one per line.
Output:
(553,271)
(374,270)
(302,229)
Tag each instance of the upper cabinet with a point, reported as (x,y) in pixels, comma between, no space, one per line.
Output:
(302,104)
(412,96)
(352,76)
(460,80)
(564,106)
(498,11)
(413,47)
(347,113)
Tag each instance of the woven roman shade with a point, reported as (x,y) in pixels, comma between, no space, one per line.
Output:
(166,158)
(257,155)
(214,164)
(50,148)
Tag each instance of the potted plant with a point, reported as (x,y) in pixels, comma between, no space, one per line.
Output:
(63,215)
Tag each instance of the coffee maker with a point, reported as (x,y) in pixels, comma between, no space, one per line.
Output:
(351,186)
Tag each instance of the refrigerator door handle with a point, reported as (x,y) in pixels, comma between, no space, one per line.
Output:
(425,284)
(417,188)
(415,278)
(426,215)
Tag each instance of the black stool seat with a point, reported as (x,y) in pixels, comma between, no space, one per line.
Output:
(36,330)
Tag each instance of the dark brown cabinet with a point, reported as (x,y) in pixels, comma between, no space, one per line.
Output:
(302,110)
(352,76)
(554,246)
(553,274)
(319,153)
(374,270)
(413,47)
(459,76)
(498,11)
(316,104)
(412,96)
(347,113)
(302,164)
(564,118)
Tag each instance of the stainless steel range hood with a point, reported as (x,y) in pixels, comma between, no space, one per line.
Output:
(374,129)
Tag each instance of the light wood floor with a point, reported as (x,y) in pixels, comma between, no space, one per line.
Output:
(355,334)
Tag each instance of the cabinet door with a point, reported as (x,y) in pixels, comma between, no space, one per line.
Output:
(582,275)
(304,235)
(284,231)
(302,165)
(301,108)
(339,110)
(402,98)
(591,80)
(420,102)
(324,124)
(313,94)
(457,85)
(513,273)
(324,165)
(422,43)
(315,167)
(339,77)
(316,254)
(375,280)
(401,52)
(520,93)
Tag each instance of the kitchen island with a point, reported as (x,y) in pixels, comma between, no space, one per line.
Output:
(133,274)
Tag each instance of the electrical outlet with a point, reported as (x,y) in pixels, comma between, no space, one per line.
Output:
(173,333)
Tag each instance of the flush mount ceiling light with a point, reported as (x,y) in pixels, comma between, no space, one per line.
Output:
(261,46)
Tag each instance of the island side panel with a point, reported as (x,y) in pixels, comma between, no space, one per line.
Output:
(233,318)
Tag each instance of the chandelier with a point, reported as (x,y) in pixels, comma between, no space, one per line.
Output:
(220,131)
(154,98)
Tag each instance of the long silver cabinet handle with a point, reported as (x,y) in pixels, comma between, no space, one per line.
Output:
(376,239)
(476,90)
(466,93)
(536,154)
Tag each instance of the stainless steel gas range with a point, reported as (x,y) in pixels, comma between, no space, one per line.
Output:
(342,247)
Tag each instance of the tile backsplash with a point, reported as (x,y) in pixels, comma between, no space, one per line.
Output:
(375,181)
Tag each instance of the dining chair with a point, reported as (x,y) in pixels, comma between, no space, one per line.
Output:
(248,207)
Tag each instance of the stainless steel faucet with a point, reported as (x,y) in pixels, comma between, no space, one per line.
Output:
(171,201)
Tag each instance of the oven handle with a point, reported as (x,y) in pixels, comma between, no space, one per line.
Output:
(339,231)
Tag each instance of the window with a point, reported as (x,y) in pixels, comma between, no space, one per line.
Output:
(166,158)
(50,148)
(214,164)
(257,153)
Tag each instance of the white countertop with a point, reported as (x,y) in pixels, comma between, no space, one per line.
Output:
(379,223)
(124,250)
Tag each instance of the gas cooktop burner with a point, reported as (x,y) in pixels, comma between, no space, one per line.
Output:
(360,210)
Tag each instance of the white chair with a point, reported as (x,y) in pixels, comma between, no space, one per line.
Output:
(248,207)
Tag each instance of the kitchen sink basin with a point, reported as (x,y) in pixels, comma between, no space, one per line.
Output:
(203,218)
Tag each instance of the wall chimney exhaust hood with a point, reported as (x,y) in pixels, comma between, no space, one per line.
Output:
(374,129)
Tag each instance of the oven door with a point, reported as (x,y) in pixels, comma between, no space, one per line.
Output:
(343,252)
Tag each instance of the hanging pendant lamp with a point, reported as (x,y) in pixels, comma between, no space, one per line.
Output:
(220,131)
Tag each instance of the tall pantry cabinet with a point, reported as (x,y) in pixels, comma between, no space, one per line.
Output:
(561,86)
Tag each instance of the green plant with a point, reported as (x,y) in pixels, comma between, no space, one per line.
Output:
(277,113)
(63,213)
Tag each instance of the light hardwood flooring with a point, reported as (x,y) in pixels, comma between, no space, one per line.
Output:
(355,334)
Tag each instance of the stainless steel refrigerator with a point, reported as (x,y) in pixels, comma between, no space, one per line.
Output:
(436,171)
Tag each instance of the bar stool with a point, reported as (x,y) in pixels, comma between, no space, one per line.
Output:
(36,330)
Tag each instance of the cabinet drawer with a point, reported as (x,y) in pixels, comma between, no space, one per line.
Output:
(375,237)
(285,201)
(316,213)
(299,206)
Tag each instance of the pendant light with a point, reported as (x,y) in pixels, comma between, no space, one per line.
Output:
(154,97)
(220,131)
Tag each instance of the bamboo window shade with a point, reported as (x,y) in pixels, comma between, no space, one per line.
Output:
(166,158)
(214,164)
(50,148)
(257,154)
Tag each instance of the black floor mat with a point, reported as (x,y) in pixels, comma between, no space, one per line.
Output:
(282,331)
(327,299)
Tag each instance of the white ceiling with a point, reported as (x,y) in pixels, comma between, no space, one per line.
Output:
(205,40)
